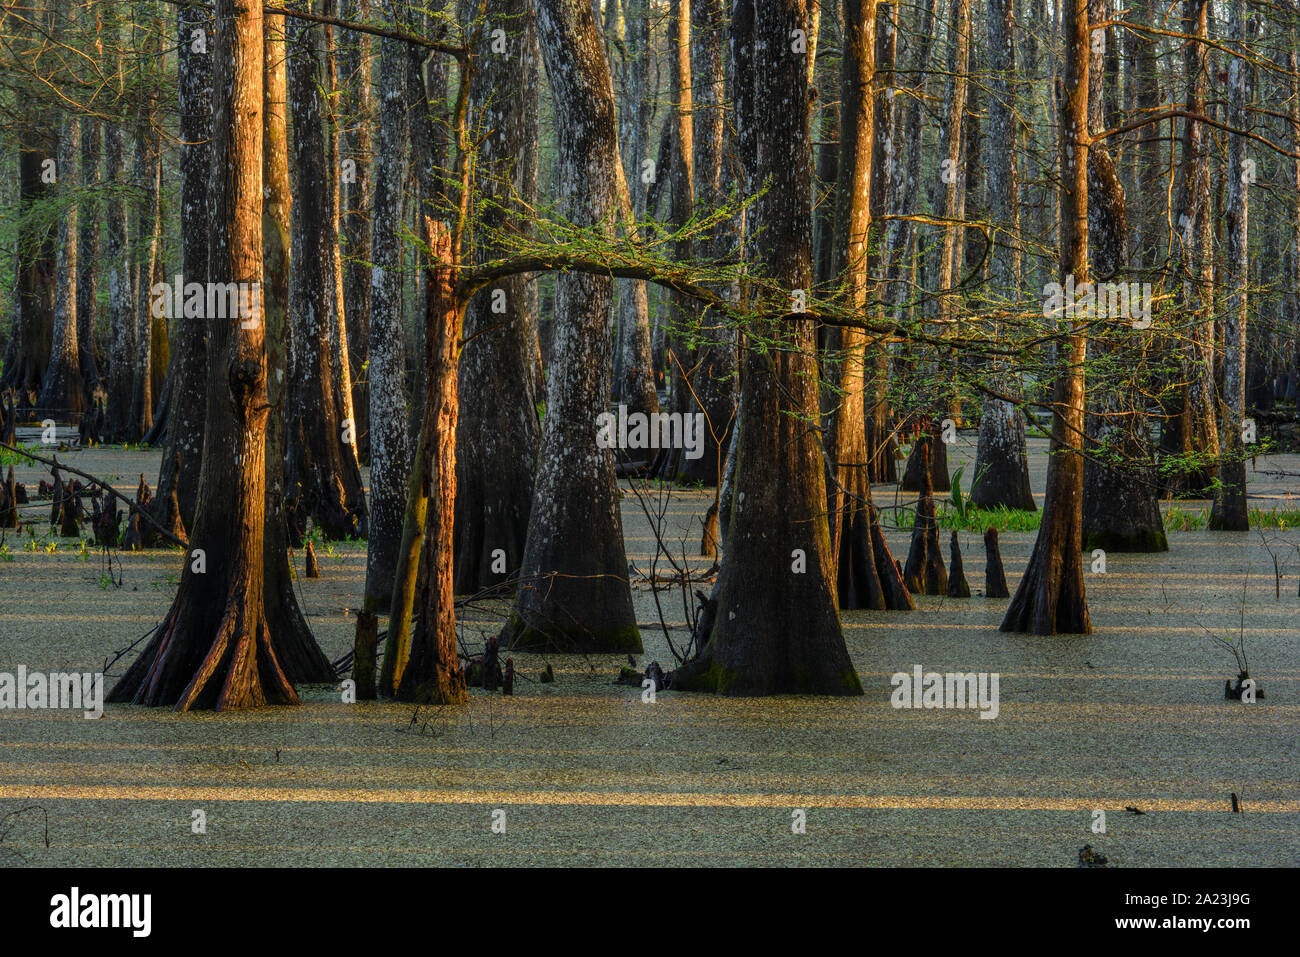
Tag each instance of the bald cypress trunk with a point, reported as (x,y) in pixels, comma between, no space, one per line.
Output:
(714,381)
(1120,510)
(182,455)
(1050,598)
(322,463)
(62,392)
(634,375)
(1229,510)
(1001,475)
(430,671)
(219,646)
(578,598)
(88,243)
(28,354)
(777,629)
(497,433)
(354,57)
(1191,430)
(681,310)
(390,447)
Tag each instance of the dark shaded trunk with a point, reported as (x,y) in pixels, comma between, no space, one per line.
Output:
(1001,473)
(577,596)
(924,573)
(497,434)
(182,455)
(1120,509)
(1050,598)
(322,465)
(777,629)
(63,395)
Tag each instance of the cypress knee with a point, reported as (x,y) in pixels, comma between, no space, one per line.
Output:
(957,584)
(995,580)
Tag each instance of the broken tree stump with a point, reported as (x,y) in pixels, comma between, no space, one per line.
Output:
(313,569)
(995,579)
(958,587)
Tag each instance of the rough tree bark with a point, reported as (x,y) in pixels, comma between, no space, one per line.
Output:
(497,434)
(92,136)
(322,465)
(1192,430)
(634,379)
(578,597)
(1050,598)
(36,253)
(182,453)
(1229,510)
(714,380)
(1120,509)
(855,566)
(62,393)
(390,448)
(1001,476)
(218,647)
(429,671)
(777,629)
(148,236)
(121,319)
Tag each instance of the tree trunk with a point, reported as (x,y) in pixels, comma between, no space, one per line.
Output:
(354,65)
(185,431)
(777,630)
(433,674)
(218,647)
(36,253)
(1192,432)
(1229,510)
(322,464)
(497,435)
(634,382)
(92,136)
(390,448)
(714,381)
(148,232)
(577,597)
(63,394)
(1120,509)
(1001,475)
(1050,598)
